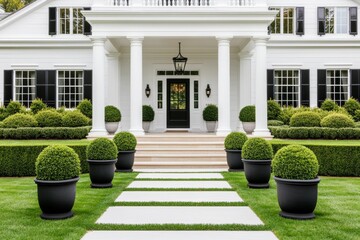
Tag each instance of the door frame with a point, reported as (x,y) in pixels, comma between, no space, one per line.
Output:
(188,99)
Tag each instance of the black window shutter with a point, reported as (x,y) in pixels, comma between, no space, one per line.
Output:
(321,21)
(46,86)
(8,86)
(321,86)
(353,20)
(270,84)
(88,84)
(355,84)
(87,26)
(52,21)
(300,21)
(305,88)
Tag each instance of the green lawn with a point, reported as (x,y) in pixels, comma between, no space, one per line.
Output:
(337,212)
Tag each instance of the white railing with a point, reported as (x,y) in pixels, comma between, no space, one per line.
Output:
(184,3)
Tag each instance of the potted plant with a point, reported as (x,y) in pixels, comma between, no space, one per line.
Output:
(57,172)
(210,115)
(247,117)
(102,156)
(257,154)
(233,145)
(126,144)
(148,117)
(112,119)
(296,174)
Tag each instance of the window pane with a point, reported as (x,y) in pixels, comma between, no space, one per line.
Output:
(70,88)
(25,86)
(287,87)
(330,18)
(342,20)
(288,21)
(275,26)
(337,85)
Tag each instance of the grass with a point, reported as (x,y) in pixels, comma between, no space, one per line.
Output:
(337,212)
(19,215)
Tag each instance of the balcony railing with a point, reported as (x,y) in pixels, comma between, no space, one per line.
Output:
(186,3)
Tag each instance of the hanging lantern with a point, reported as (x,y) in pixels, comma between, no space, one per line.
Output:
(180,62)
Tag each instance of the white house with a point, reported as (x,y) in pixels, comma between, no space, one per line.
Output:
(246,51)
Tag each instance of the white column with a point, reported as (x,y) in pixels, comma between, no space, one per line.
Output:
(224,85)
(261,129)
(136,86)
(98,101)
(245,83)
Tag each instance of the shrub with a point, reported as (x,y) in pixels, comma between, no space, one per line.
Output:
(125,141)
(337,120)
(356,116)
(295,162)
(57,163)
(329,105)
(112,114)
(210,113)
(148,114)
(315,133)
(13,108)
(351,106)
(257,149)
(274,110)
(305,119)
(3,113)
(235,141)
(85,107)
(74,119)
(247,114)
(357,124)
(298,133)
(49,118)
(61,110)
(20,120)
(275,123)
(37,105)
(44,133)
(102,149)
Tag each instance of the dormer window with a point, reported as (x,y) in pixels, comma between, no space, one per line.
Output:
(71,21)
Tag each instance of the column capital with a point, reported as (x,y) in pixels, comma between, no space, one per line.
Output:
(224,39)
(113,54)
(245,55)
(98,40)
(135,39)
(261,39)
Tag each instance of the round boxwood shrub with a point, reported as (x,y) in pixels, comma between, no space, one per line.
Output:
(85,107)
(257,149)
(211,113)
(274,110)
(102,149)
(20,120)
(125,141)
(13,107)
(275,123)
(56,163)
(357,124)
(247,114)
(37,105)
(351,106)
(148,113)
(329,105)
(74,119)
(305,119)
(295,162)
(112,114)
(49,118)
(235,141)
(337,120)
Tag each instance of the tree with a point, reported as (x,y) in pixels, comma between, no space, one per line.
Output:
(14,5)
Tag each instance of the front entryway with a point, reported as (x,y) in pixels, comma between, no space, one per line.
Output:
(178,103)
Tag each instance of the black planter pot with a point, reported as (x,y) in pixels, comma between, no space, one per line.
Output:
(297,198)
(125,161)
(56,198)
(234,161)
(101,173)
(257,173)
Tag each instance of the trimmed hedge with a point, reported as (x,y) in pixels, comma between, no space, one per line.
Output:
(44,133)
(112,114)
(49,118)
(274,110)
(102,149)
(74,119)
(337,120)
(148,114)
(351,106)
(275,123)
(37,105)
(334,160)
(235,141)
(19,120)
(248,114)
(210,113)
(85,107)
(125,141)
(305,119)
(19,161)
(329,105)
(257,149)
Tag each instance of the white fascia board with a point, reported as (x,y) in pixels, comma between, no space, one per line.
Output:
(44,43)
(315,42)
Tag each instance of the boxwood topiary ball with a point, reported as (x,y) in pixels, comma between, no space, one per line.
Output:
(125,141)
(112,114)
(351,106)
(337,120)
(210,113)
(19,120)
(49,118)
(295,162)
(56,163)
(102,149)
(74,119)
(305,119)
(329,105)
(257,149)
(148,113)
(235,141)
(247,114)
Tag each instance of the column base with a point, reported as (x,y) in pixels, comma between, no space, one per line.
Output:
(137,132)
(223,132)
(262,133)
(98,133)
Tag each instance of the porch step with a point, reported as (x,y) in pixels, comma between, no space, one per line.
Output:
(180,138)
(170,164)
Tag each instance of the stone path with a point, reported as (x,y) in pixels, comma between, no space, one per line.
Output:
(185,215)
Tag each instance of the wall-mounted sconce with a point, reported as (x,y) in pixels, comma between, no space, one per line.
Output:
(208,91)
(147,91)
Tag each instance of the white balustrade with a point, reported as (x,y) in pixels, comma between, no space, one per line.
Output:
(184,3)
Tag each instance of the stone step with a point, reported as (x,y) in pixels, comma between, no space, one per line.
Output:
(179,215)
(180,169)
(179,176)
(180,138)
(206,152)
(180,164)
(181,184)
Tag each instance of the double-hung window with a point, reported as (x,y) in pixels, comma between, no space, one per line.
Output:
(71,21)
(284,21)
(287,87)
(337,20)
(337,85)
(25,87)
(70,88)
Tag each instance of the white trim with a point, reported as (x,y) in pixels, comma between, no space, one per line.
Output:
(287,66)
(24,66)
(67,66)
(338,65)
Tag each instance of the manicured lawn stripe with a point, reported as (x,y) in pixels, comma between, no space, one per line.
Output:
(190,204)
(177,189)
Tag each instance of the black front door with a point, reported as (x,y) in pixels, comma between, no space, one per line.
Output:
(178,106)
